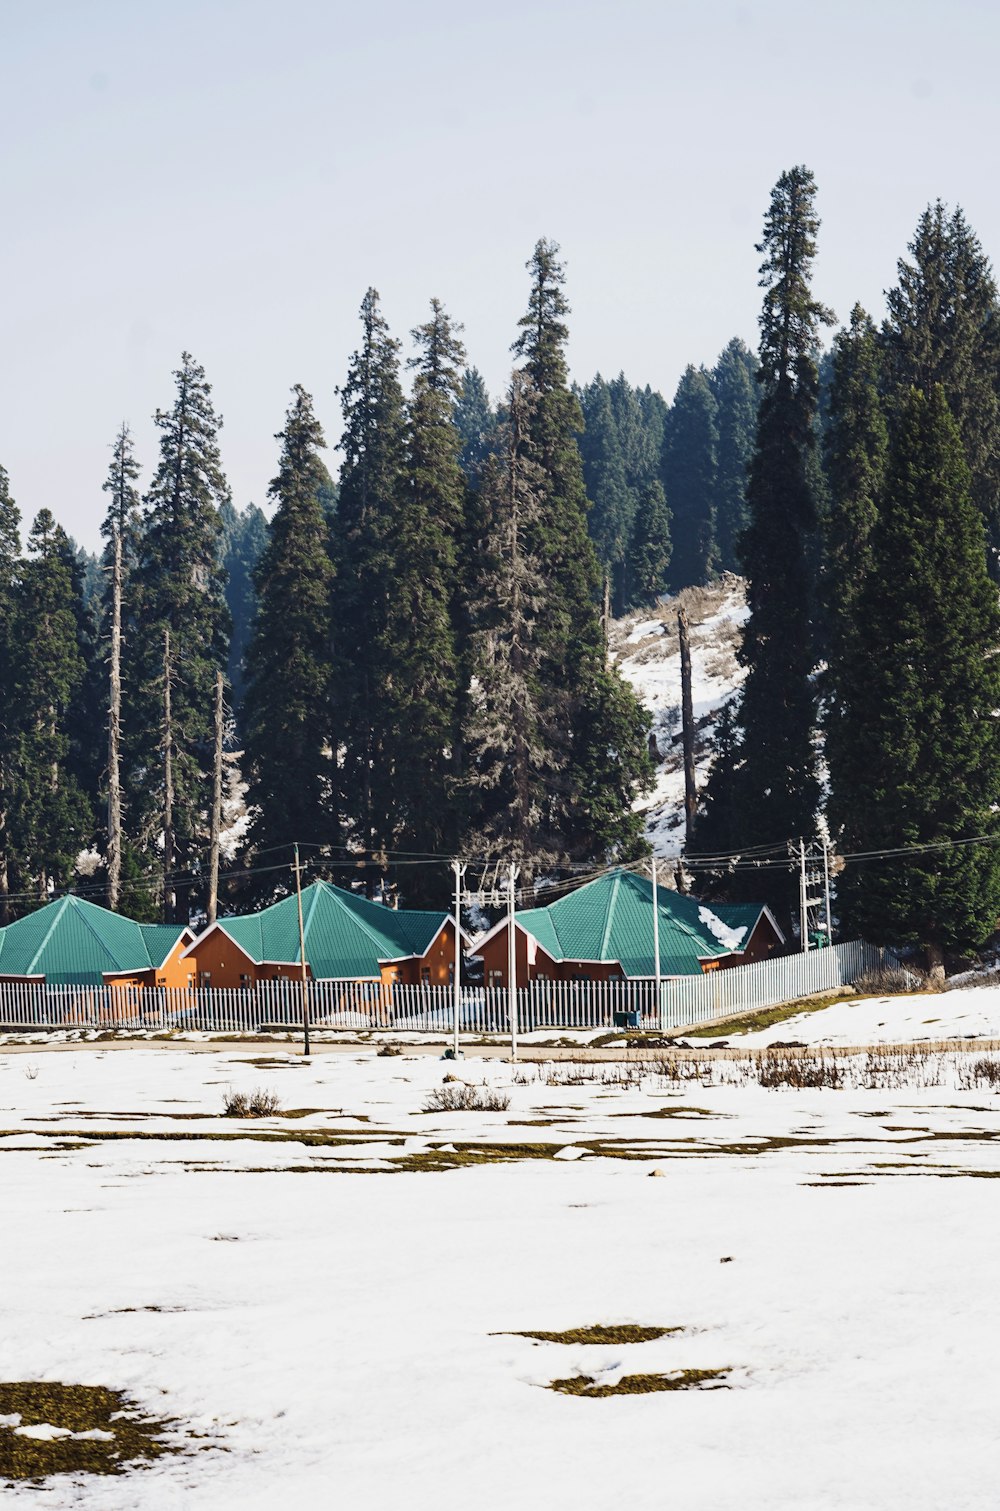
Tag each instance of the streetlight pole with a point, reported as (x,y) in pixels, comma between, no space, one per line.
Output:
(459,870)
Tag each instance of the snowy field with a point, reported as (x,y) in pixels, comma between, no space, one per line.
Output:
(327,1297)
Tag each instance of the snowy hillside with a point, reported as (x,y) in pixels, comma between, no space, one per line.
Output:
(646,648)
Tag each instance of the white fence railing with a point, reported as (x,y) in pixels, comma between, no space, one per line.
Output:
(747,988)
(276,1005)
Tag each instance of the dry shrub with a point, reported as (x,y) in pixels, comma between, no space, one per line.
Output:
(258,1104)
(892,980)
(983,1074)
(461,1097)
(779,1068)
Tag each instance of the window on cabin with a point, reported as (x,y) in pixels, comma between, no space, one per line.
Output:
(205,978)
(425,975)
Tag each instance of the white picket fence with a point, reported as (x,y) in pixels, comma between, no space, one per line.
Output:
(278,1005)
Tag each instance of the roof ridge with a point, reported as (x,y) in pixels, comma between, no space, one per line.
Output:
(59,910)
(357,917)
(100,939)
(609,915)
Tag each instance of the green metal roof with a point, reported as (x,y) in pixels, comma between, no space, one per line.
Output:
(72,942)
(611,919)
(346,936)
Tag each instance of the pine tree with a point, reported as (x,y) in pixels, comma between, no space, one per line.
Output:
(513,760)
(570,626)
(855,448)
(734,385)
(177,598)
(50,816)
(926,763)
(944,327)
(286,705)
(425,686)
(649,550)
(575,677)
(689,470)
(612,501)
(475,421)
(770,767)
(244,541)
(10,552)
(372,481)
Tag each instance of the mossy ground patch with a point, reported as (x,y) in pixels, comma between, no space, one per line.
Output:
(128,1435)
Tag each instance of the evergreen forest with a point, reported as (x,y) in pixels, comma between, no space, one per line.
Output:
(404,655)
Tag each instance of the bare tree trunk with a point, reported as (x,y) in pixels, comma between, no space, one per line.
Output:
(606,618)
(4,875)
(935,964)
(213,862)
(687,728)
(168,788)
(114,732)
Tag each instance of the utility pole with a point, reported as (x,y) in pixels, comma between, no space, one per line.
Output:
(826,890)
(687,729)
(814,869)
(656,941)
(459,871)
(114,729)
(606,617)
(512,874)
(302,957)
(169,899)
(213,860)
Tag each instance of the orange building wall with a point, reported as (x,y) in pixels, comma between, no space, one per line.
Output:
(174,972)
(439,962)
(218,958)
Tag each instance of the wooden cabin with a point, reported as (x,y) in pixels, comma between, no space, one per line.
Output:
(603,931)
(347,938)
(73,942)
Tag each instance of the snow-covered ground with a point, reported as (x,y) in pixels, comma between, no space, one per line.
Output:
(648,653)
(967,1012)
(337,1319)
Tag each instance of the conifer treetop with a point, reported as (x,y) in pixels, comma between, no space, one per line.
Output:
(790,318)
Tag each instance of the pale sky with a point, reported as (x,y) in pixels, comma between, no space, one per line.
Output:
(228,176)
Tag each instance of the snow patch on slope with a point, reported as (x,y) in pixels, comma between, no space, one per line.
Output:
(647,652)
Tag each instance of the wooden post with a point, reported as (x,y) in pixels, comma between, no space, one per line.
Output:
(114,729)
(302,957)
(687,729)
(213,861)
(168,788)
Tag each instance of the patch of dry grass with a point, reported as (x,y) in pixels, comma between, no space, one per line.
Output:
(643,1385)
